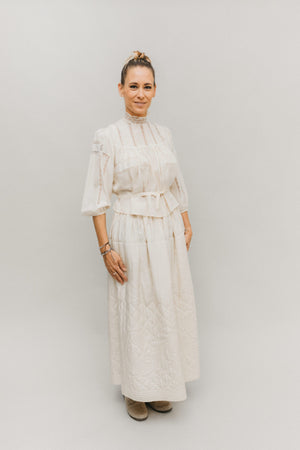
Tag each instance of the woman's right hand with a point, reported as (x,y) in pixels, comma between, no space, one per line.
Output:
(114,263)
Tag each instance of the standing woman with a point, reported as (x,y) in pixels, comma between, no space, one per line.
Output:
(151,306)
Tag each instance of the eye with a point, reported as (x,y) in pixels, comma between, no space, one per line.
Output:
(132,86)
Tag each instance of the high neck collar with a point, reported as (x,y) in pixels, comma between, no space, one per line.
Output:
(135,119)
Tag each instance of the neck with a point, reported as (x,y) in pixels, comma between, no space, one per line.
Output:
(135,119)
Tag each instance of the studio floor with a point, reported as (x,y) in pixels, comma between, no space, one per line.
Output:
(56,392)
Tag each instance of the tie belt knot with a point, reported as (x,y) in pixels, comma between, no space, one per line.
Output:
(155,194)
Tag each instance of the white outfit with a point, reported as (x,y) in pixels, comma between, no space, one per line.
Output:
(152,317)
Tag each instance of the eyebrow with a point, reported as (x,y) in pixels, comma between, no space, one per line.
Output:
(135,82)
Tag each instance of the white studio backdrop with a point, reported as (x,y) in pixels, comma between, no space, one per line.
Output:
(227,76)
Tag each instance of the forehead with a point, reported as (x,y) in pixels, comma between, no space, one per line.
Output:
(139,74)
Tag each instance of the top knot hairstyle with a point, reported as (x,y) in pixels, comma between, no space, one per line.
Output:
(136,59)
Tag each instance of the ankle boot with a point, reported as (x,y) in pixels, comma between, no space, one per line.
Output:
(161,406)
(136,410)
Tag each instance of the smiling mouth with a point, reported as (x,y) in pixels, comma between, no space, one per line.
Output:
(141,103)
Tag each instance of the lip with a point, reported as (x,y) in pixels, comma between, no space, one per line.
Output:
(140,103)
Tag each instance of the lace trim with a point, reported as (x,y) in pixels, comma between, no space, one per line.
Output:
(135,119)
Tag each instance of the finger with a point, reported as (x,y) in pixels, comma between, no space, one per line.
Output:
(113,266)
(117,277)
(123,270)
(121,273)
(116,268)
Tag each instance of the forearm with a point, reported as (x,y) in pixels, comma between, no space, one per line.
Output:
(186,220)
(100,228)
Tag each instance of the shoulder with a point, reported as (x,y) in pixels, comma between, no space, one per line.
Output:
(110,132)
(102,140)
(166,132)
(164,129)
(102,133)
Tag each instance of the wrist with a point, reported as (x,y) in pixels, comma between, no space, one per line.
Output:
(104,248)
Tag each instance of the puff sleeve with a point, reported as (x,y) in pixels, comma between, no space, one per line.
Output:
(178,187)
(99,179)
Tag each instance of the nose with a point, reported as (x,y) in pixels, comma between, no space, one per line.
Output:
(140,93)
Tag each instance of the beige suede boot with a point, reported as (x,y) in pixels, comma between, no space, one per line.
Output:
(161,406)
(136,410)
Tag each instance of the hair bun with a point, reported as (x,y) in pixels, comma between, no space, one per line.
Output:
(137,55)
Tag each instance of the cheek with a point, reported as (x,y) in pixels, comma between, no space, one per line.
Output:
(129,95)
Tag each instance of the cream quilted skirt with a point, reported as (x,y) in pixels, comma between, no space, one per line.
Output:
(152,318)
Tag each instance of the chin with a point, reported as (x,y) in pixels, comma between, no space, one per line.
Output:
(140,109)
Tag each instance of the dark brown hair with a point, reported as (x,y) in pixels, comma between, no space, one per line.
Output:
(137,59)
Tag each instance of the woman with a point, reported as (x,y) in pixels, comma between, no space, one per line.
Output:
(151,306)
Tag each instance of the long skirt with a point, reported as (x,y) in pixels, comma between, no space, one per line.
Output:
(152,320)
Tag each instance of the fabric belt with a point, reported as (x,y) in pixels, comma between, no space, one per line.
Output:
(156,194)
(132,203)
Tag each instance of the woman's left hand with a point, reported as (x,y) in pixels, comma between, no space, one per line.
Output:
(188,236)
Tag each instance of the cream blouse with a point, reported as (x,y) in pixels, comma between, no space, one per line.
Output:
(135,159)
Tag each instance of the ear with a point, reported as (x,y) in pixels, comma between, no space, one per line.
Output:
(120,88)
